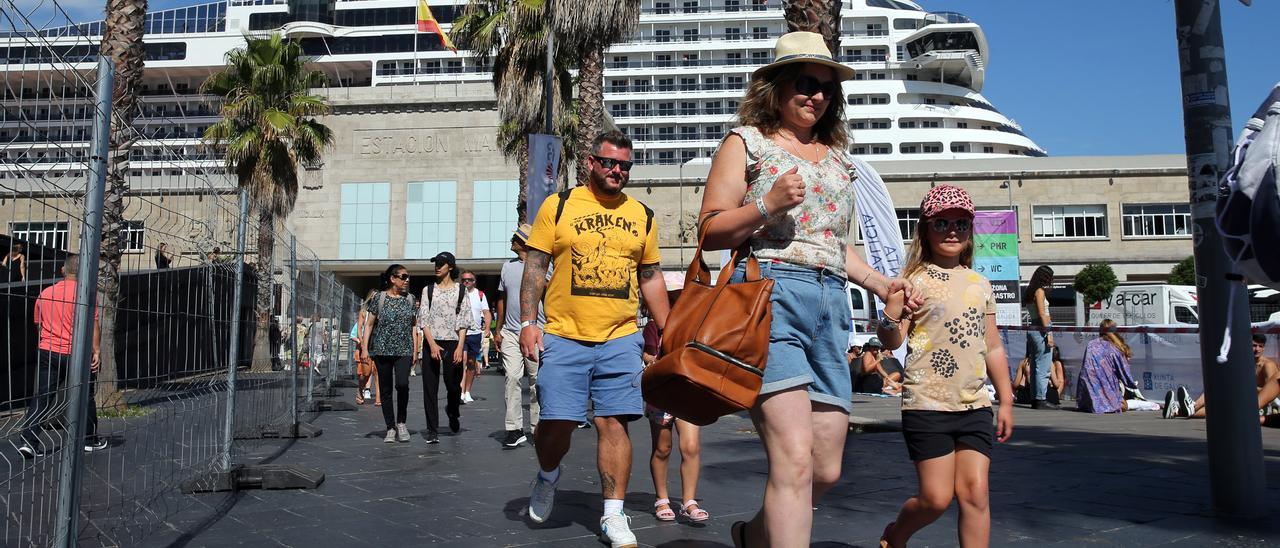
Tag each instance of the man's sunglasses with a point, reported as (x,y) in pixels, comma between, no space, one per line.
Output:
(810,86)
(608,163)
(943,226)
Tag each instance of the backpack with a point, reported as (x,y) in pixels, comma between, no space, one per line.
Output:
(564,197)
(1248,209)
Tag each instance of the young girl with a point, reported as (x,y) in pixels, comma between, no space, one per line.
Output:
(954,347)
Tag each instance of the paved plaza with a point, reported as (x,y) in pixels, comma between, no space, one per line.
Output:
(1066,479)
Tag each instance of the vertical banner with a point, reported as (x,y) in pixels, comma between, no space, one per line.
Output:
(881,235)
(544,165)
(995,255)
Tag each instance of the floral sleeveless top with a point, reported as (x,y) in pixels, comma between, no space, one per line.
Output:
(814,233)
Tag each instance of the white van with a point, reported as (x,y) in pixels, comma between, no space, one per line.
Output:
(862,309)
(1149,305)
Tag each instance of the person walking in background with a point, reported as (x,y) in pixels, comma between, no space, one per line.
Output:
(55,316)
(163,257)
(508,340)
(391,320)
(445,319)
(15,263)
(299,343)
(366,370)
(605,248)
(1104,374)
(318,345)
(1035,305)
(782,184)
(481,317)
(661,427)
(954,348)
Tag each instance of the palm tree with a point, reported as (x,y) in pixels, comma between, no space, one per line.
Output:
(514,34)
(820,16)
(122,43)
(591,26)
(268,128)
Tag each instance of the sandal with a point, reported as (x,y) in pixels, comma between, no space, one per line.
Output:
(738,532)
(884,537)
(663,514)
(696,515)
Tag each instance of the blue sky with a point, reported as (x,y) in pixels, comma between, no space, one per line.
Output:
(1101,77)
(1082,77)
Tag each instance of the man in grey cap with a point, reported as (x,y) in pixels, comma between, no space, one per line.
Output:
(508,341)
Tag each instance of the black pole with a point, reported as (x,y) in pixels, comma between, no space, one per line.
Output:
(1236,478)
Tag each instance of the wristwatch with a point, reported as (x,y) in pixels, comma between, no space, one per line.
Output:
(528,323)
(888,324)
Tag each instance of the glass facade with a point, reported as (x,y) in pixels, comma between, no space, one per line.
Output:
(365,221)
(356,45)
(210,17)
(352,17)
(430,219)
(494,218)
(168,51)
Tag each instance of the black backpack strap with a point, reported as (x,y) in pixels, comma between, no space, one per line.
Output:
(564,197)
(431,291)
(648,217)
(462,294)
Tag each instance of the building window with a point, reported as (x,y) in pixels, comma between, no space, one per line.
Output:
(494,218)
(1069,222)
(365,221)
(879,99)
(430,218)
(881,149)
(131,237)
(53,234)
(988,150)
(1157,220)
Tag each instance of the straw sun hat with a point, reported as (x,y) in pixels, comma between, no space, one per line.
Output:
(804,47)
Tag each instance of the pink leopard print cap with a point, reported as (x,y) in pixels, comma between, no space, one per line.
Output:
(944,197)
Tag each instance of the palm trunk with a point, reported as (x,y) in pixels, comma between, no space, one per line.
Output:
(522,199)
(266,290)
(122,43)
(820,16)
(591,107)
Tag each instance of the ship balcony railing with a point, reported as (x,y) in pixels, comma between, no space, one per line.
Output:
(664,161)
(945,18)
(673,63)
(863,33)
(863,58)
(721,8)
(703,37)
(661,88)
(408,71)
(667,112)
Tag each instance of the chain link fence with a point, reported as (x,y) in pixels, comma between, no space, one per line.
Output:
(203,349)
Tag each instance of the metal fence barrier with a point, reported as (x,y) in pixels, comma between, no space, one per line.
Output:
(197,379)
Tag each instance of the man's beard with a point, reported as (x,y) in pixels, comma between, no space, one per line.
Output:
(602,181)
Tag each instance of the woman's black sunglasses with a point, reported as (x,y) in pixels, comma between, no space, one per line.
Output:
(404,277)
(808,85)
(943,226)
(608,163)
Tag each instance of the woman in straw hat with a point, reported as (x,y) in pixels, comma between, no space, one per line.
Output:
(782,183)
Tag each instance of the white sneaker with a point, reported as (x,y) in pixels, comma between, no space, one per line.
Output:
(1188,404)
(402,433)
(466,397)
(413,372)
(1171,405)
(542,498)
(368,394)
(616,530)
(391,436)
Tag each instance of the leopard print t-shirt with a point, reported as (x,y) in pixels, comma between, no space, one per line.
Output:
(947,363)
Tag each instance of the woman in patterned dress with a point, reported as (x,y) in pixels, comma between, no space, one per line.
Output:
(782,184)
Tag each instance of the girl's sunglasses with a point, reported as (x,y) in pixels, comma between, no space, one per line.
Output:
(943,226)
(810,86)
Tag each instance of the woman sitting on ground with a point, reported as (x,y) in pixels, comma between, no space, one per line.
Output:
(1104,374)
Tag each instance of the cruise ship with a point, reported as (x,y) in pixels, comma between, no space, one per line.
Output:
(674,86)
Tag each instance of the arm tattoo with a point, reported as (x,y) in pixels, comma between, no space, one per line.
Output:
(533,284)
(649,270)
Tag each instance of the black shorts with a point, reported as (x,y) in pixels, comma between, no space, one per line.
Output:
(472,346)
(932,434)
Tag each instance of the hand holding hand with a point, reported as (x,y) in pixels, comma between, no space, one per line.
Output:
(787,192)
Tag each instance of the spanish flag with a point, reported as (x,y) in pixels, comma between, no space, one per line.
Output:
(427,23)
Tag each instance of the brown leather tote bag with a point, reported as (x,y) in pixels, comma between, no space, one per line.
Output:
(715,344)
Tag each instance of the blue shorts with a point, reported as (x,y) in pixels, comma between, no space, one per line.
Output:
(608,373)
(472,346)
(809,333)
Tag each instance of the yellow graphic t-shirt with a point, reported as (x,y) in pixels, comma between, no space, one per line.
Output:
(595,249)
(947,363)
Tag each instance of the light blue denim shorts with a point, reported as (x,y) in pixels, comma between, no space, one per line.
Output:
(608,373)
(808,334)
